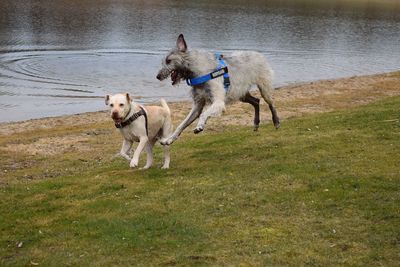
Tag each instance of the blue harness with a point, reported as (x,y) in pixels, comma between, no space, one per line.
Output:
(221,70)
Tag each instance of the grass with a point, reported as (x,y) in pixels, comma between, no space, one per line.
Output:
(323,190)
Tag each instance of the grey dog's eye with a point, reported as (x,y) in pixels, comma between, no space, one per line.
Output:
(168,61)
(111,105)
(121,105)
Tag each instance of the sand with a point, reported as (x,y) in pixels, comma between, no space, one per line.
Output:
(291,101)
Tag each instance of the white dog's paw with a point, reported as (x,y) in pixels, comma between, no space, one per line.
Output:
(133,164)
(125,156)
(164,167)
(145,167)
(198,129)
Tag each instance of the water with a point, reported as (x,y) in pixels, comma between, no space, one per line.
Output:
(62,57)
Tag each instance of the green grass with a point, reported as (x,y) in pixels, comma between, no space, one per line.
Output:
(322,190)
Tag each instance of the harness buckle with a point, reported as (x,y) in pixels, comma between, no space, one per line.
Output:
(219,72)
(227,82)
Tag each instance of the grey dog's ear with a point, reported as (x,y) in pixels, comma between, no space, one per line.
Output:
(107,99)
(128,97)
(181,43)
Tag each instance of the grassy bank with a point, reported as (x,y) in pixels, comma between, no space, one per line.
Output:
(322,190)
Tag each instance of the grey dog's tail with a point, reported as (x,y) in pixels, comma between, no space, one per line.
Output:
(165,106)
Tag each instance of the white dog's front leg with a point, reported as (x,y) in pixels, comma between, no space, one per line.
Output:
(215,109)
(126,145)
(135,160)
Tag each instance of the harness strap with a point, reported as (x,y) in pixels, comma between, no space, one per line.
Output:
(222,64)
(133,118)
(145,120)
(221,70)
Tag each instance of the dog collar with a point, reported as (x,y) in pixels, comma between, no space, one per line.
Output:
(221,70)
(132,118)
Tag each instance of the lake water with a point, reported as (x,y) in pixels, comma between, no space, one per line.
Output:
(61,56)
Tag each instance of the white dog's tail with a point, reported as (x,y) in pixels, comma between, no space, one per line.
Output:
(165,106)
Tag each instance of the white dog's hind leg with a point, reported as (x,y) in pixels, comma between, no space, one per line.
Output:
(135,159)
(167,158)
(126,146)
(149,151)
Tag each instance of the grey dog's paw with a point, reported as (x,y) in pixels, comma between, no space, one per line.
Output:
(198,130)
(164,142)
(168,141)
(276,122)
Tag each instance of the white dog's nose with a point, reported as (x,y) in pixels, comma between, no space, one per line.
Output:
(114,114)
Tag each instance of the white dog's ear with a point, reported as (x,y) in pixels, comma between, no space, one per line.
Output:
(181,43)
(128,97)
(107,99)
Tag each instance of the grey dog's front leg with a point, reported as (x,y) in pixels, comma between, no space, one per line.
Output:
(192,116)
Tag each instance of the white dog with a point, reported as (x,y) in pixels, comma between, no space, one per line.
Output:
(140,124)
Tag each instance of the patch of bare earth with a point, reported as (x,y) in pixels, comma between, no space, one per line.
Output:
(49,146)
(53,122)
(291,101)
(328,95)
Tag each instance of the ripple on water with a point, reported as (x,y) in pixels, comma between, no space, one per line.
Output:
(52,81)
(79,72)
(39,79)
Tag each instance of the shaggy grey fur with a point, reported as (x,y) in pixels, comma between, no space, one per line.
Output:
(246,69)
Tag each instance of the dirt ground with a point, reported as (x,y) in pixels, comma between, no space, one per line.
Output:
(291,101)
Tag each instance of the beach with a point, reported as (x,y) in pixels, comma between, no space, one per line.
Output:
(291,101)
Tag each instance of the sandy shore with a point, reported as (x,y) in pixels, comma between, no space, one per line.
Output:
(291,101)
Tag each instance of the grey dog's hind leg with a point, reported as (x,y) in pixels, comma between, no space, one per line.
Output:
(255,102)
(275,118)
(265,87)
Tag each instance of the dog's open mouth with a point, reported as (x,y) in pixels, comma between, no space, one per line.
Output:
(174,77)
(180,74)
(117,120)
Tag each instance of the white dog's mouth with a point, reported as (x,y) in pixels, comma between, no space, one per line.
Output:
(117,119)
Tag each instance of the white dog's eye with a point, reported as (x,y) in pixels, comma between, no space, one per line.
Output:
(121,105)
(111,105)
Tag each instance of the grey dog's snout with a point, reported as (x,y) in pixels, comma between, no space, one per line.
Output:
(163,74)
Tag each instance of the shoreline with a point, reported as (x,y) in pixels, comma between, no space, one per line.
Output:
(291,101)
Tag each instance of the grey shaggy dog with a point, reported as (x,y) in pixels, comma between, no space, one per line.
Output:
(246,69)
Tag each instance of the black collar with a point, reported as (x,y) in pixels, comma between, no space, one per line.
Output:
(132,119)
